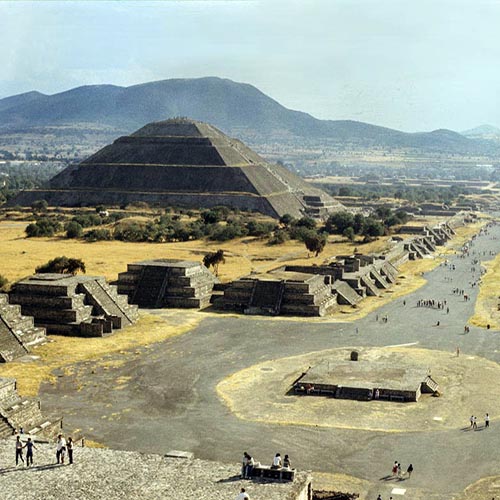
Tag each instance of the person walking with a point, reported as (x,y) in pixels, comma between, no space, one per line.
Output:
(458,351)
(69,446)
(409,470)
(486,420)
(471,420)
(19,450)
(29,451)
(395,468)
(474,423)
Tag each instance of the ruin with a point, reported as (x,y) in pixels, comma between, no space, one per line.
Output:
(18,333)
(297,294)
(181,162)
(365,380)
(17,412)
(78,305)
(167,283)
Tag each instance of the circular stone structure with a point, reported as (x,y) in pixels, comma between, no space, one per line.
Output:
(263,392)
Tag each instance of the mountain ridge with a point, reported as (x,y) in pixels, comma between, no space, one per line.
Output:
(239,109)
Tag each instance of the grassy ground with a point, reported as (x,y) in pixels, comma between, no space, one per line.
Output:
(65,351)
(19,255)
(486,311)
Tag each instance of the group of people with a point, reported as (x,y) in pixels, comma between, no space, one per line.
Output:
(473,422)
(62,447)
(436,304)
(248,464)
(397,471)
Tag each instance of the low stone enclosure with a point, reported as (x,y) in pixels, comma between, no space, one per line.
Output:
(79,305)
(303,290)
(167,283)
(18,333)
(20,413)
(365,380)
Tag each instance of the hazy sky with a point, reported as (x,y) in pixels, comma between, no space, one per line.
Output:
(407,64)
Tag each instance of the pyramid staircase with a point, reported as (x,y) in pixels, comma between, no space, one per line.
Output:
(17,412)
(17,332)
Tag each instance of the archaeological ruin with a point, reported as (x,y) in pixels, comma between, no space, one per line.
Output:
(17,413)
(18,333)
(167,283)
(78,305)
(185,163)
(365,380)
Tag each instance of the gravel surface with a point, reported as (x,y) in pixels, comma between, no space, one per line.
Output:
(109,474)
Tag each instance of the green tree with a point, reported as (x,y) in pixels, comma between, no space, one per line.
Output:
(349,234)
(213,259)
(315,243)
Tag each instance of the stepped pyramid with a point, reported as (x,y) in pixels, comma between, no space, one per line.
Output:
(17,332)
(64,304)
(186,163)
(167,283)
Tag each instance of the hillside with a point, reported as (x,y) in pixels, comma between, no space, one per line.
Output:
(238,109)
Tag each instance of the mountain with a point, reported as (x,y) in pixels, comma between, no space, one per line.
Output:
(483,132)
(238,109)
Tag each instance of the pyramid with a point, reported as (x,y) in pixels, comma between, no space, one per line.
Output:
(181,162)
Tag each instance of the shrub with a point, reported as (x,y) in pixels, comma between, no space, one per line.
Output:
(279,237)
(62,265)
(229,232)
(73,230)
(44,226)
(98,235)
(40,206)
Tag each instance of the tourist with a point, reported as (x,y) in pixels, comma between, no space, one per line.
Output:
(29,452)
(69,446)
(243,495)
(458,351)
(244,464)
(486,421)
(19,450)
(276,461)
(250,463)
(471,420)
(286,462)
(379,497)
(474,423)
(395,468)
(61,449)
(409,470)
(399,471)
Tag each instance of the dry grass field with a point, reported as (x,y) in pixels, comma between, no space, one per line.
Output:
(20,255)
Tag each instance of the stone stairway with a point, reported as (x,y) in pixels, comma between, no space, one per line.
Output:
(345,294)
(151,286)
(17,332)
(267,296)
(105,301)
(17,412)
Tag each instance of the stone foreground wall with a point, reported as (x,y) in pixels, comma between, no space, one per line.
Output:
(102,474)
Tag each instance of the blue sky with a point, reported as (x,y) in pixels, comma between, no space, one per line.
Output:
(407,64)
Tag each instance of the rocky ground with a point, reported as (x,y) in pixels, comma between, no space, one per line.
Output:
(108,474)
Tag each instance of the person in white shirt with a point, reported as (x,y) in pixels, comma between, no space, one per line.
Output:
(61,449)
(243,495)
(276,461)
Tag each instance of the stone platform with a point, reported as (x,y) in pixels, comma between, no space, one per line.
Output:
(79,305)
(365,380)
(167,283)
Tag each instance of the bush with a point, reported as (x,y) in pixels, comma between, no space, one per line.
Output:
(98,235)
(279,237)
(73,230)
(259,228)
(40,206)
(229,232)
(62,265)
(43,227)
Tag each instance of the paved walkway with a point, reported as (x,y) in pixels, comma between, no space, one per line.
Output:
(170,400)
